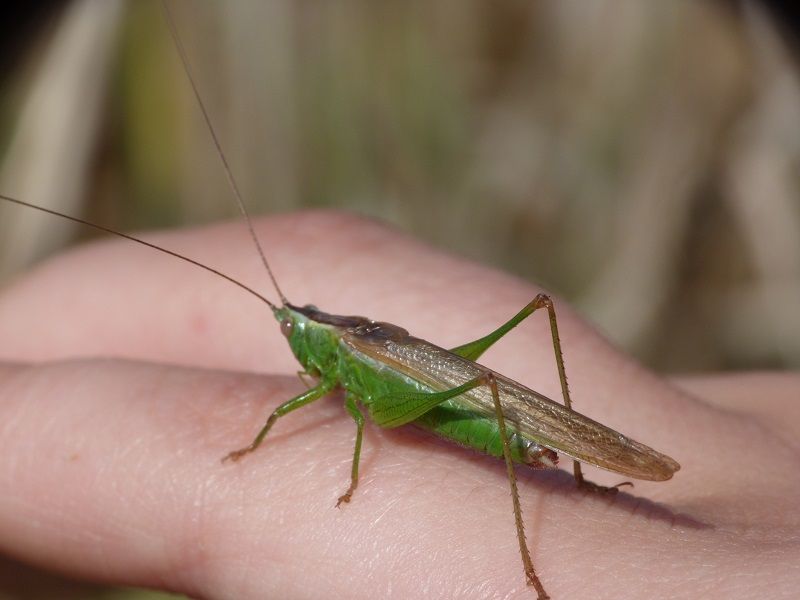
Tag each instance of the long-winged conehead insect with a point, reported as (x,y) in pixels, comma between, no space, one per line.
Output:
(398,379)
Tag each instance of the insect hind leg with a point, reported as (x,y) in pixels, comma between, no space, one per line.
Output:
(473,350)
(544,301)
(490,380)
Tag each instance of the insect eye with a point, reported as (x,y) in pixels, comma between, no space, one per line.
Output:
(286,328)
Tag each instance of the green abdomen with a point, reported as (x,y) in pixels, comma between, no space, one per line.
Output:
(462,426)
(371,381)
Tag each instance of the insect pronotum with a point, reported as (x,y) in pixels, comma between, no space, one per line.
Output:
(399,379)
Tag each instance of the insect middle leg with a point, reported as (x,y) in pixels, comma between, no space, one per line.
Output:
(352,407)
(473,350)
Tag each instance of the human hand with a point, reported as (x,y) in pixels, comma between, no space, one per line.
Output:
(110,468)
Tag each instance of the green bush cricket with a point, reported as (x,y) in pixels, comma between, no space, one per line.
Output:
(400,379)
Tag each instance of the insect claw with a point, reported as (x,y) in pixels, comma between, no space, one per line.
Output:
(534,581)
(345,498)
(601,489)
(236,454)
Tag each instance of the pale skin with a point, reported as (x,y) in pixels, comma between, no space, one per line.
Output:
(110,469)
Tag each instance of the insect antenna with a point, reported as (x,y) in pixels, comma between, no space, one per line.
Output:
(228,172)
(138,241)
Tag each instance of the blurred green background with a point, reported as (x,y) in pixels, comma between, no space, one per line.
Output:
(640,159)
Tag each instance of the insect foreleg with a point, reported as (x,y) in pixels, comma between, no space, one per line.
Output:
(306,397)
(305,379)
(352,407)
